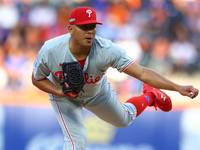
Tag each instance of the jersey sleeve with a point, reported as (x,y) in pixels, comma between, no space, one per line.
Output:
(117,58)
(40,67)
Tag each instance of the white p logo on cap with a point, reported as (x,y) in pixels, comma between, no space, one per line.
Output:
(83,15)
(89,12)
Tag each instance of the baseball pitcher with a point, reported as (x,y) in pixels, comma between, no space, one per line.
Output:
(71,69)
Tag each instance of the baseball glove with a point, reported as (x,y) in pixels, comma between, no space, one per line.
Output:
(73,79)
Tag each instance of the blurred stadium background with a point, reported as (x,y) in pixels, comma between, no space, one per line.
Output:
(161,34)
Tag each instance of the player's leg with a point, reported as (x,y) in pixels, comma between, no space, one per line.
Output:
(108,108)
(69,115)
(141,102)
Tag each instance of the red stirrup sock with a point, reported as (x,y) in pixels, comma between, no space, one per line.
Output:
(141,102)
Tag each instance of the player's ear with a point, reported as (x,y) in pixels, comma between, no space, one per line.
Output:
(70,29)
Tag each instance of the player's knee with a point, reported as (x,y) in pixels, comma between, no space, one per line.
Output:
(121,124)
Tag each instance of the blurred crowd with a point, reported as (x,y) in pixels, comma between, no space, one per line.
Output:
(160,34)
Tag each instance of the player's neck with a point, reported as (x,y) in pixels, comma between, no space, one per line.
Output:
(79,52)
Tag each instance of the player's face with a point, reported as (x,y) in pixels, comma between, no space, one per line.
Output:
(84,34)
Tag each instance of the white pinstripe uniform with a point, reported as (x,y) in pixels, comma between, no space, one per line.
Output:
(96,96)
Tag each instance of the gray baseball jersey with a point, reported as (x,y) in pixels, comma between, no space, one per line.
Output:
(96,95)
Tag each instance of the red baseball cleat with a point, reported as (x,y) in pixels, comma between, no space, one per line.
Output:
(162,100)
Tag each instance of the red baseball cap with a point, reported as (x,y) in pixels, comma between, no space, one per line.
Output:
(83,15)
